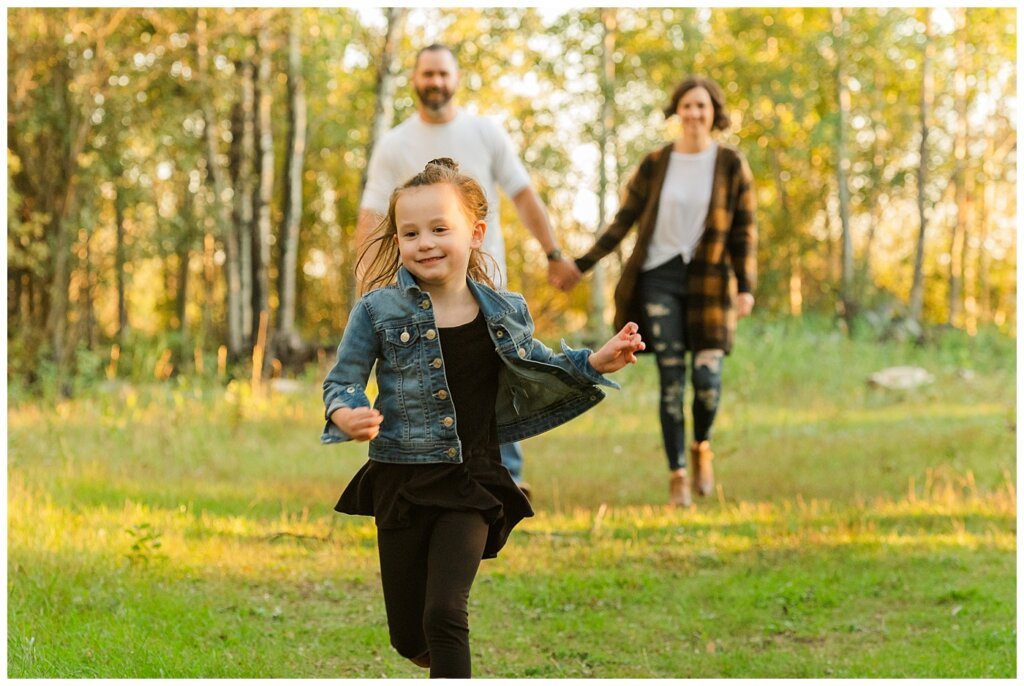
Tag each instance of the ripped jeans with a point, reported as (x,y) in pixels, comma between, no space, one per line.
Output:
(662,291)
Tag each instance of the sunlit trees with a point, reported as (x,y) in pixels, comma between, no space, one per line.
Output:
(174,172)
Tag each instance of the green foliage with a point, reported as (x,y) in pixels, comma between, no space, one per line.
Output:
(145,544)
(107,107)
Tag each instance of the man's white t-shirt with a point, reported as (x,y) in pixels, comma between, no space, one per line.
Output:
(481,147)
(682,207)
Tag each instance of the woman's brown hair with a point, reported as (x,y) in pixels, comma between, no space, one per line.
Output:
(385,263)
(721,119)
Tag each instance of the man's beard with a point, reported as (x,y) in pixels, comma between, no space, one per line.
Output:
(429,98)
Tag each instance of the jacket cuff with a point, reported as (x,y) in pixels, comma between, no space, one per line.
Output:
(354,396)
(580,360)
(332,434)
(583,264)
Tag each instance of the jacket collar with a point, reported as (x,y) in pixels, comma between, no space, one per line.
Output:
(406,280)
(492,304)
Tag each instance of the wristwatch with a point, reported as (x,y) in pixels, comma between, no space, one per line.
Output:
(555,255)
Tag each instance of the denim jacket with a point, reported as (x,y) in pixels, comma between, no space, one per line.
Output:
(394,326)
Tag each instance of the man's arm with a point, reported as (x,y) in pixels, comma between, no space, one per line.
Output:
(562,272)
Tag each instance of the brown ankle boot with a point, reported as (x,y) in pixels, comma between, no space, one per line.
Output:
(703,472)
(421,660)
(679,489)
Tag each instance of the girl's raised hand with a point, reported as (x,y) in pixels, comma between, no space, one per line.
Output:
(619,351)
(360,423)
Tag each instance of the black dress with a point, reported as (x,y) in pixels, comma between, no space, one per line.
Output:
(398,494)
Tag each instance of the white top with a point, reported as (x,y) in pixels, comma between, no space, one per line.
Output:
(683,207)
(481,147)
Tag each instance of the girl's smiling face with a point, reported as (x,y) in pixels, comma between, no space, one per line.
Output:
(434,234)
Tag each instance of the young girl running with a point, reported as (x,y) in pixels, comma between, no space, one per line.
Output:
(458,373)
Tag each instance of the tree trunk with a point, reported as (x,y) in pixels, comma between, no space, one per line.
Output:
(184,250)
(16,310)
(86,293)
(927,86)
(878,183)
(261,236)
(958,239)
(209,282)
(609,28)
(795,270)
(119,265)
(387,70)
(220,191)
(289,256)
(848,304)
(987,199)
(243,166)
(58,201)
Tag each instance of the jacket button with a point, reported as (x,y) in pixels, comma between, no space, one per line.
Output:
(424,304)
(522,352)
(452,452)
(404,337)
(448,421)
(442,394)
(500,334)
(350,389)
(431,334)
(436,364)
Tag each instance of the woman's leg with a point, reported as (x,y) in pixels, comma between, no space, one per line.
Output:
(664,313)
(403,575)
(456,547)
(707,389)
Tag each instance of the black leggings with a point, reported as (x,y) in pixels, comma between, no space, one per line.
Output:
(662,291)
(427,570)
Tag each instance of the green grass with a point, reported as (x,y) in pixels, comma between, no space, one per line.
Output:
(187,531)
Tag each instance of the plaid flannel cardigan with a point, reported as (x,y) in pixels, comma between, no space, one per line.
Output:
(724,262)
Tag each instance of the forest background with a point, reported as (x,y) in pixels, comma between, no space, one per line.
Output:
(183,183)
(183,186)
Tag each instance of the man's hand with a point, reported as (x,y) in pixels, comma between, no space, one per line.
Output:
(744,304)
(619,351)
(360,423)
(563,274)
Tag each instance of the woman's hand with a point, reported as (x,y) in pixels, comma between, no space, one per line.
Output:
(744,304)
(563,274)
(359,424)
(619,351)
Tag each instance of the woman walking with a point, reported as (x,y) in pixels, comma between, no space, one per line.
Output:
(692,273)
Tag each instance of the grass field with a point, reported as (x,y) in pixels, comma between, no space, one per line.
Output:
(187,531)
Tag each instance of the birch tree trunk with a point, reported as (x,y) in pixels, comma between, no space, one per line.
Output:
(288,266)
(119,264)
(987,202)
(245,189)
(958,239)
(184,251)
(261,235)
(927,86)
(222,194)
(387,70)
(842,165)
(609,26)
